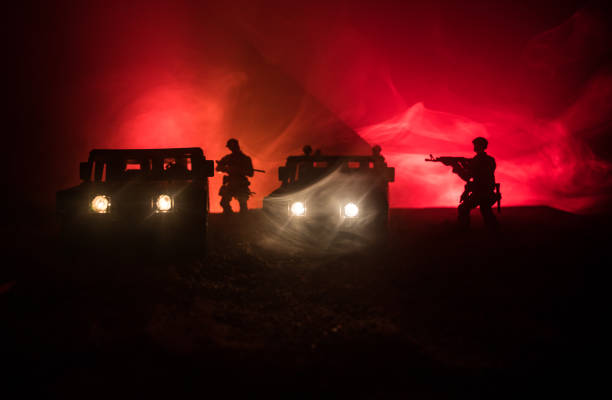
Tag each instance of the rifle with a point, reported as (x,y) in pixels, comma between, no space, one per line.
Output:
(460,164)
(450,161)
(254,169)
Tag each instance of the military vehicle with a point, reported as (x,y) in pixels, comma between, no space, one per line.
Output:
(157,191)
(342,192)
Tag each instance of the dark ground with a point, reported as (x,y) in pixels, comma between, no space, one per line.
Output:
(428,312)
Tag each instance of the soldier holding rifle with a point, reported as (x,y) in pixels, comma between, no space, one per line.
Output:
(480,188)
(238,167)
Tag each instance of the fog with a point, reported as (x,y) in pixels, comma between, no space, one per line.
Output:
(416,78)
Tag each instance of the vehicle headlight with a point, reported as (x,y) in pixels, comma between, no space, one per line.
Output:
(163,203)
(100,204)
(298,209)
(351,210)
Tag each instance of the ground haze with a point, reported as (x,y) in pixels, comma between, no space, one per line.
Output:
(427,310)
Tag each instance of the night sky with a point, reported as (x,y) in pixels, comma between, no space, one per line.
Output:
(535,78)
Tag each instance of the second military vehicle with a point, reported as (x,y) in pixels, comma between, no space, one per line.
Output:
(344,192)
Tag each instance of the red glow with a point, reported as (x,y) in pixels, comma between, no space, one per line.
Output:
(414,78)
(538,162)
(475,88)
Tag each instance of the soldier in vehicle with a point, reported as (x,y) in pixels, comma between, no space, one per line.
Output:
(379,159)
(479,173)
(382,189)
(177,169)
(304,168)
(238,166)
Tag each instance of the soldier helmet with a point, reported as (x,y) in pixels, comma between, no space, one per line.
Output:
(376,149)
(481,142)
(307,150)
(231,143)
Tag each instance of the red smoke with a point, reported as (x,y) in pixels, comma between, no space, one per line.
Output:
(538,109)
(539,162)
(416,78)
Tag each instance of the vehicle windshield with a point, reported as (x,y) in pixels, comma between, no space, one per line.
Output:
(306,171)
(146,168)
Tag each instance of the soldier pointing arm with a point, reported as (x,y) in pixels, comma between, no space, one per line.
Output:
(480,188)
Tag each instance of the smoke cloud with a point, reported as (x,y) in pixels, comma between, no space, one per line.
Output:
(416,78)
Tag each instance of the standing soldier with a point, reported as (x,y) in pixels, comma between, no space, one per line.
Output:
(379,159)
(238,166)
(480,187)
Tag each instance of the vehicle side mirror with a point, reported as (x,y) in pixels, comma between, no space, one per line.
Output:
(85,171)
(390,174)
(209,168)
(206,169)
(282,174)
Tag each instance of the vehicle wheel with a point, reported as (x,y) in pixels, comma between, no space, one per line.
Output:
(197,236)
(381,226)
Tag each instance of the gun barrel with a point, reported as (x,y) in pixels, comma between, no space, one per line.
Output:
(259,170)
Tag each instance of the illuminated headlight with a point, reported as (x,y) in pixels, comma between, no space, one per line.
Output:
(351,210)
(163,203)
(100,204)
(297,209)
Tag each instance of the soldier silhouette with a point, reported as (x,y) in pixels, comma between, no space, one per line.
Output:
(479,173)
(177,169)
(238,166)
(305,167)
(381,191)
(379,159)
